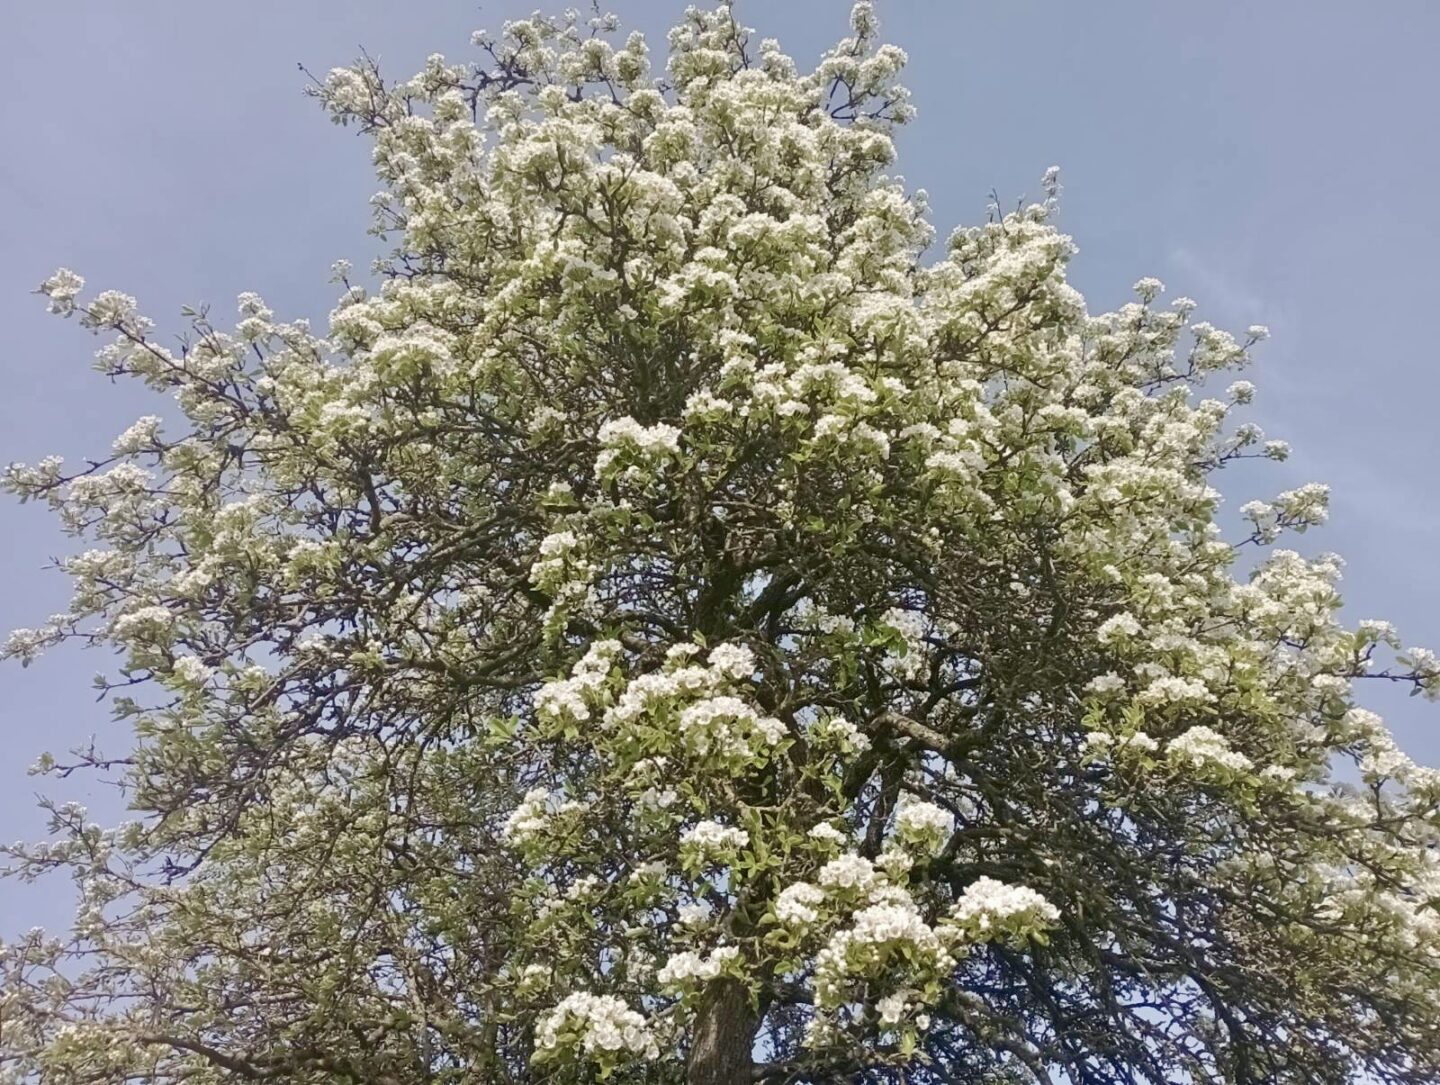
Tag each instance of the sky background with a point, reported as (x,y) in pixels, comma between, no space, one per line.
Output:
(1276,161)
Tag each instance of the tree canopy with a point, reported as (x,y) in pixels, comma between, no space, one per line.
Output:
(683,625)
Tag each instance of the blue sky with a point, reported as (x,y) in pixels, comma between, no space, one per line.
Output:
(1274,161)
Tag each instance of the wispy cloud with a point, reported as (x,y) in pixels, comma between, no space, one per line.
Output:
(1223,293)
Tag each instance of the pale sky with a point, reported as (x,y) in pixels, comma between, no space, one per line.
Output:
(1276,162)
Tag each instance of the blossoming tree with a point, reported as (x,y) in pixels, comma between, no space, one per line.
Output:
(681,629)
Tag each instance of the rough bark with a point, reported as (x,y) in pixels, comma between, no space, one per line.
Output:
(722,1049)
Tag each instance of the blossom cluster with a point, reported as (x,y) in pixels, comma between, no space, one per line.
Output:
(601,1027)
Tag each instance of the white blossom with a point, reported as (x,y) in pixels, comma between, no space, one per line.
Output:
(62,288)
(990,909)
(1117,626)
(713,840)
(849,872)
(530,818)
(1202,746)
(923,824)
(799,904)
(596,1025)
(688,968)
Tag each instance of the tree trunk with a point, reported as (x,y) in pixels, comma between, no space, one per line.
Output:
(721,1048)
